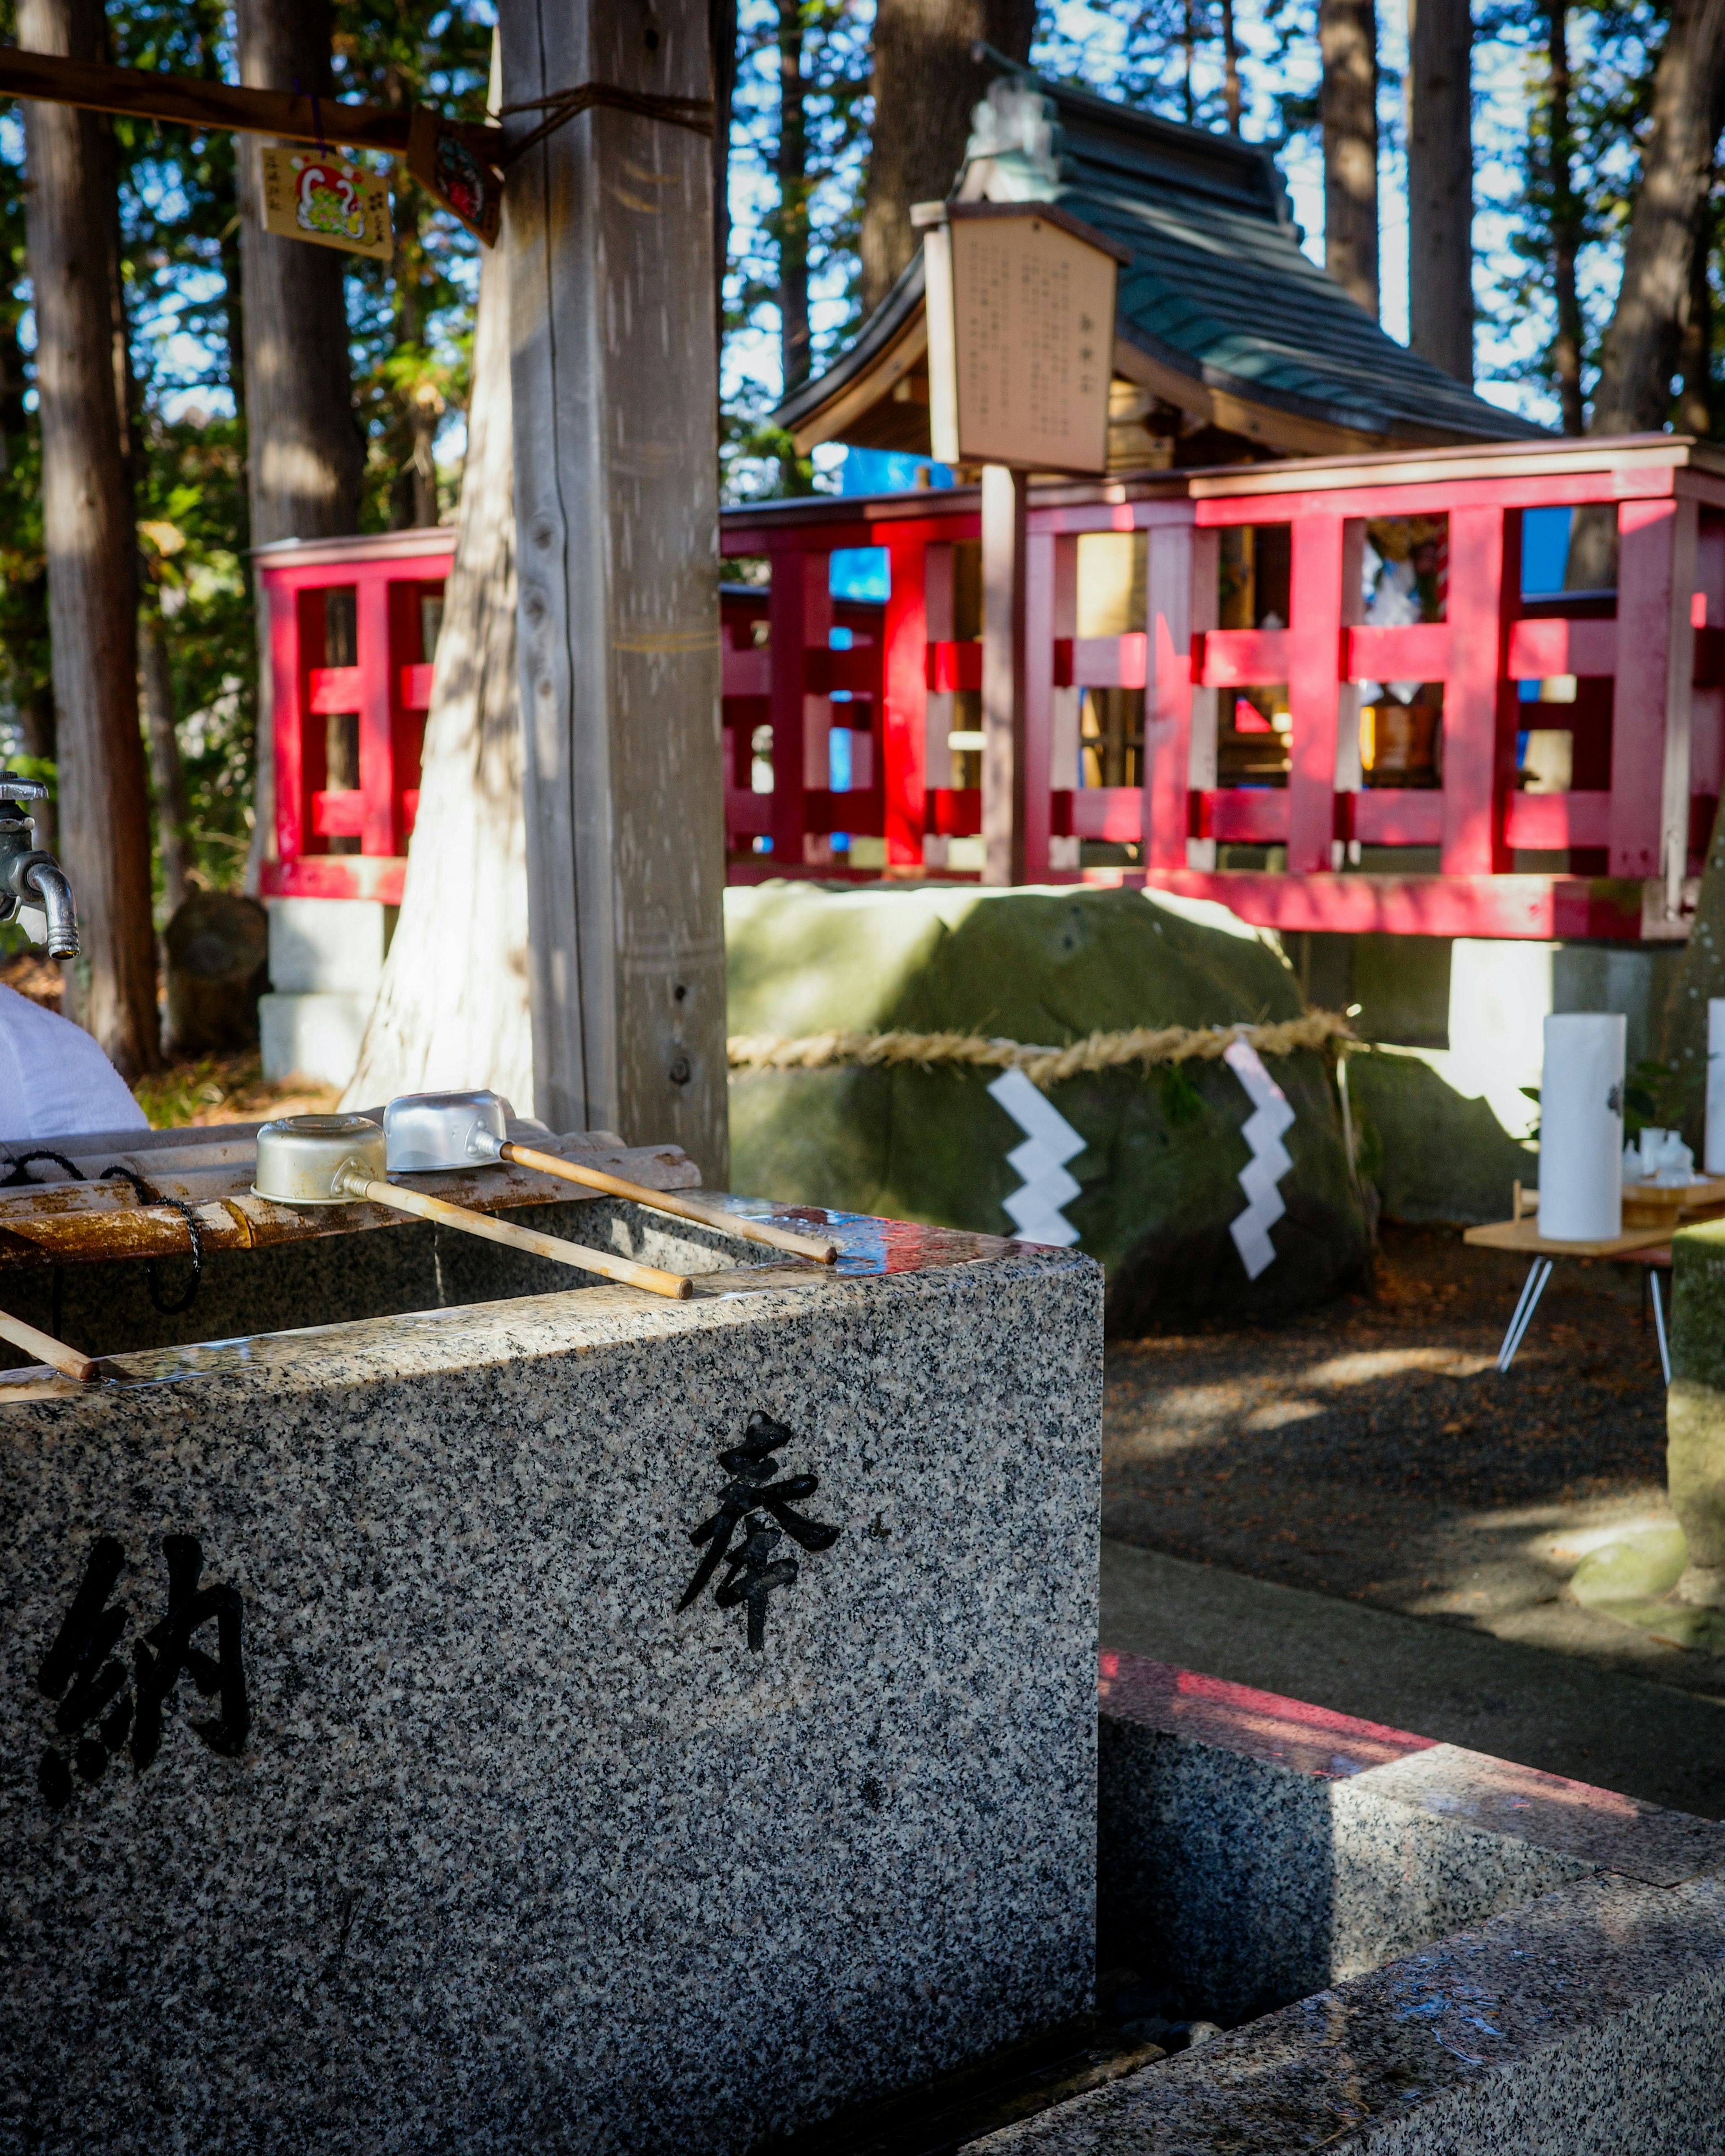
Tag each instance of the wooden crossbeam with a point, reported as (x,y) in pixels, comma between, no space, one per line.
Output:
(147,95)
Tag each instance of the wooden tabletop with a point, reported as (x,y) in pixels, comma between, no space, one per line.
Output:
(1524,1235)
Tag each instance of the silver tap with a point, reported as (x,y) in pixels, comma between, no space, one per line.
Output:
(28,877)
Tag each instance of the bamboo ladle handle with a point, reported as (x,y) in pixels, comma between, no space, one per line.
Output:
(356,1184)
(682,1209)
(47,1349)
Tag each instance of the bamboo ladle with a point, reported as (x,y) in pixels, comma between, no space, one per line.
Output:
(47,1349)
(332,1160)
(447,1130)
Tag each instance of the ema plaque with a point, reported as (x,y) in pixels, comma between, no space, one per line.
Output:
(1020,300)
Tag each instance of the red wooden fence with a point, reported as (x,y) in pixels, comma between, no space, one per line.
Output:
(1642,667)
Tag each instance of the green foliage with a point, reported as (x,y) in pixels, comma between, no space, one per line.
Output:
(1181,1100)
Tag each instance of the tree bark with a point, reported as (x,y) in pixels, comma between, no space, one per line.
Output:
(722,39)
(307,456)
(925,84)
(1633,395)
(440,1020)
(1695,346)
(88,524)
(1347,99)
(1230,69)
(167,774)
(791,167)
(1440,184)
(1566,233)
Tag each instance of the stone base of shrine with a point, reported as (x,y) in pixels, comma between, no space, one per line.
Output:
(363,1784)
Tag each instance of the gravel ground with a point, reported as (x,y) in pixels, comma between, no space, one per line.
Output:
(1369,1449)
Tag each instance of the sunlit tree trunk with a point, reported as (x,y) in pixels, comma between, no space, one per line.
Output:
(452,1010)
(1566,232)
(88,524)
(1347,41)
(925,84)
(1440,184)
(168,775)
(306,457)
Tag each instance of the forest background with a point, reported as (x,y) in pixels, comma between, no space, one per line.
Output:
(1561,100)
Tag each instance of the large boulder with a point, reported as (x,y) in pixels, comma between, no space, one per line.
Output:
(1159,1170)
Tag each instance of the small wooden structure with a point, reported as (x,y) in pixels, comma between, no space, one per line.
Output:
(1263,772)
(352,634)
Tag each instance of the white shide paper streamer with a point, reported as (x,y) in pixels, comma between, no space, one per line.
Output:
(1049,1143)
(1581,1126)
(1713,1150)
(1270,1162)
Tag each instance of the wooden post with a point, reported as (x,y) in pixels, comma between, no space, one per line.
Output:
(1650,709)
(1314,691)
(1005,495)
(904,688)
(1168,694)
(801,613)
(608,228)
(1481,707)
(1034,812)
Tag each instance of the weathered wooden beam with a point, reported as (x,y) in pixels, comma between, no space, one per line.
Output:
(608,228)
(147,94)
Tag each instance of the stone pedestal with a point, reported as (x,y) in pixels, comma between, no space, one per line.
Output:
(326,962)
(382,1765)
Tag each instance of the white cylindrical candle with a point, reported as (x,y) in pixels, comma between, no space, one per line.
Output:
(1714,1153)
(1581,1128)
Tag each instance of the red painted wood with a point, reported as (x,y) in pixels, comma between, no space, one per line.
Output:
(955,665)
(1514,905)
(1481,707)
(1113,812)
(1099,662)
(415,681)
(1314,678)
(335,688)
(1551,823)
(285,723)
(377,744)
(334,875)
(857,670)
(904,704)
(1396,816)
(1646,601)
(1176,611)
(1437,497)
(410,808)
(1540,649)
(801,613)
(1242,815)
(1040,644)
(953,812)
(1420,652)
(1241,658)
(339,815)
(747,672)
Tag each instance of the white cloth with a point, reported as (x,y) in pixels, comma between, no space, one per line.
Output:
(54,1081)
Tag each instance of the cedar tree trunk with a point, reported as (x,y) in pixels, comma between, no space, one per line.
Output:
(168,774)
(306,456)
(925,83)
(452,1010)
(88,524)
(1441,185)
(1566,232)
(792,163)
(1347,39)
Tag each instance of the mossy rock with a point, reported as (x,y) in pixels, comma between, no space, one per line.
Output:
(1159,1171)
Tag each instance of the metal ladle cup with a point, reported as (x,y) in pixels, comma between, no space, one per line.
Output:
(469,1130)
(336,1160)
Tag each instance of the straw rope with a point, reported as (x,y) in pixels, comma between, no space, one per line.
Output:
(1042,1066)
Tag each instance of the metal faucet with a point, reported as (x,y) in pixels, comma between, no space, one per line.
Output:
(27,875)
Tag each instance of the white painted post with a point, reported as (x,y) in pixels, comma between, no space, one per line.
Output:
(608,226)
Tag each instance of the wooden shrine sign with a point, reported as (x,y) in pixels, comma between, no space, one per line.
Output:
(1020,312)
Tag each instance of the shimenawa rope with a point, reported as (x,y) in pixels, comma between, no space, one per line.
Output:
(1042,1066)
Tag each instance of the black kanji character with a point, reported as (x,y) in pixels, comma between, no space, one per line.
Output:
(79,1656)
(754,1573)
(187,1608)
(751,1490)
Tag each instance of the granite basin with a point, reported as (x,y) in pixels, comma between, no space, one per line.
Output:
(363,1784)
